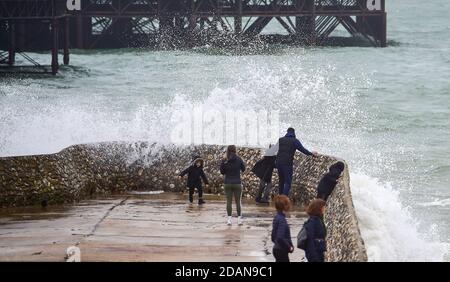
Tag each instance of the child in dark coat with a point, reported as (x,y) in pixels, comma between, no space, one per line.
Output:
(329,181)
(195,175)
(281,233)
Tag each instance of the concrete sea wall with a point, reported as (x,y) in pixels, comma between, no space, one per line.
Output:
(82,171)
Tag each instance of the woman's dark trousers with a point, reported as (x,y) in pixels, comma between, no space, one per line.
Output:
(280,255)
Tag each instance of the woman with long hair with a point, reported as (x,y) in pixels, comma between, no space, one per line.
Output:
(231,167)
(281,233)
(316,232)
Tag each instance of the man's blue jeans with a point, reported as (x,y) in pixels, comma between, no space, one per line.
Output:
(285,178)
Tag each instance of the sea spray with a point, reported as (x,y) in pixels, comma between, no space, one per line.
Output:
(389,230)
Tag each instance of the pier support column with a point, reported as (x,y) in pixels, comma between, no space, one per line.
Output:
(305,29)
(305,26)
(121,27)
(360,24)
(192,16)
(12,43)
(377,28)
(83,27)
(190,37)
(22,35)
(179,30)
(55,63)
(383,35)
(374,25)
(166,32)
(238,18)
(79,32)
(66,57)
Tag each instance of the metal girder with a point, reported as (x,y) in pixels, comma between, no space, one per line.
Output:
(208,8)
(25,9)
(3,57)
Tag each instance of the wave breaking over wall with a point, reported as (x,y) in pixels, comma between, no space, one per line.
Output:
(82,171)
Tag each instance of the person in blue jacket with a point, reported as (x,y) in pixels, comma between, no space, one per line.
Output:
(281,233)
(287,146)
(316,232)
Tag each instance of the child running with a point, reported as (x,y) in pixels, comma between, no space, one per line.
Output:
(195,175)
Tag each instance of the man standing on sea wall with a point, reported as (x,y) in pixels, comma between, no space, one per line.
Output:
(287,146)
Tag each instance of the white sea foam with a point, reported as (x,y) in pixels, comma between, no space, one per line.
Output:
(389,230)
(437,203)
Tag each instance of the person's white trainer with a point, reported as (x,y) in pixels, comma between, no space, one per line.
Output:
(240,220)
(229,221)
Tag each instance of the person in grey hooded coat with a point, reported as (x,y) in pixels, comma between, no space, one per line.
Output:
(263,169)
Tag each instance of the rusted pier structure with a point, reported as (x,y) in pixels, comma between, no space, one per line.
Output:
(29,25)
(33,25)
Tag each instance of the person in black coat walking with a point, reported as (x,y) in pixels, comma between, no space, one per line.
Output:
(329,181)
(316,231)
(281,233)
(263,169)
(195,175)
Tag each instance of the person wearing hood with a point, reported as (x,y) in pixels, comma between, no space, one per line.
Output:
(231,167)
(329,181)
(195,175)
(263,169)
(287,146)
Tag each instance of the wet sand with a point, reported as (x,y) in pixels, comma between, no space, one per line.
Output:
(141,227)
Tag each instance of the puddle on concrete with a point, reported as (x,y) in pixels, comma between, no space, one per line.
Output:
(164,202)
(50,212)
(33,213)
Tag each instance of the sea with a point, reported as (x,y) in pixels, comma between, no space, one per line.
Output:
(386,111)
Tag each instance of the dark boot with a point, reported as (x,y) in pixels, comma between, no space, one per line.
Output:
(191,195)
(262,185)
(267,191)
(201,202)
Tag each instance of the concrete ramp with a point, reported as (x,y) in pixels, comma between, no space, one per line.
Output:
(158,227)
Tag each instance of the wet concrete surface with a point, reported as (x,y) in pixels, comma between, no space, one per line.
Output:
(141,227)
